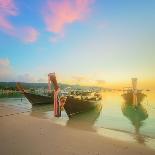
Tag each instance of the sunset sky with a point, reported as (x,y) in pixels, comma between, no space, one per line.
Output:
(87,42)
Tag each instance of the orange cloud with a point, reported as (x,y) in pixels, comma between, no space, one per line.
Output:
(59,13)
(8,8)
(100,82)
(79,78)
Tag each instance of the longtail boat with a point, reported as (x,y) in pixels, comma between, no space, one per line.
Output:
(38,99)
(132,94)
(128,96)
(74,105)
(35,98)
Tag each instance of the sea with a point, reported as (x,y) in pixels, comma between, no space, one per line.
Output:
(114,118)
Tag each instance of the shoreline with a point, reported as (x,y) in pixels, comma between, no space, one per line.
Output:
(24,134)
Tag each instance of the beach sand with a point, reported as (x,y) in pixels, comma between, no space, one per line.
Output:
(21,134)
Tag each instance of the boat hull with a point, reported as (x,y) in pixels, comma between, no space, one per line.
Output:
(75,106)
(128,97)
(38,99)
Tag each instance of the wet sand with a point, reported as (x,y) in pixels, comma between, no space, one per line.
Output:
(27,135)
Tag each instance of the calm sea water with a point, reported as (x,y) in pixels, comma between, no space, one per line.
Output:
(115,119)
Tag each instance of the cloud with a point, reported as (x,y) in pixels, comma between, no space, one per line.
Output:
(43,79)
(100,82)
(57,37)
(25,78)
(5,70)
(28,34)
(79,78)
(102,25)
(82,80)
(8,74)
(7,9)
(60,13)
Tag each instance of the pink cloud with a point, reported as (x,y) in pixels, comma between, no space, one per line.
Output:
(59,13)
(28,34)
(8,8)
(5,25)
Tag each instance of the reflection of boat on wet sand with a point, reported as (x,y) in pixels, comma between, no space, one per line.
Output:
(40,110)
(35,98)
(131,95)
(136,115)
(85,121)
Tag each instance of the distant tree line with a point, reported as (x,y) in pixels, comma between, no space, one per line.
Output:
(12,86)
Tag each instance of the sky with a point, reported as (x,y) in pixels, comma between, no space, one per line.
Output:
(87,42)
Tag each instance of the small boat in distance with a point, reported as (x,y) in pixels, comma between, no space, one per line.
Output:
(128,95)
(132,94)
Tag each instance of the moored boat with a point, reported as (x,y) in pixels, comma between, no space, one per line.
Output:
(75,105)
(35,98)
(38,99)
(128,95)
(132,94)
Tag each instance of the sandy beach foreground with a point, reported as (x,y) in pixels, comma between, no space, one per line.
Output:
(21,134)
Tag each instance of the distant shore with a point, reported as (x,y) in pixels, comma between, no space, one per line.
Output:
(26,135)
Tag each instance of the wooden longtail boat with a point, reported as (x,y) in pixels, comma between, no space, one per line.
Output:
(130,94)
(38,99)
(75,106)
(35,98)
